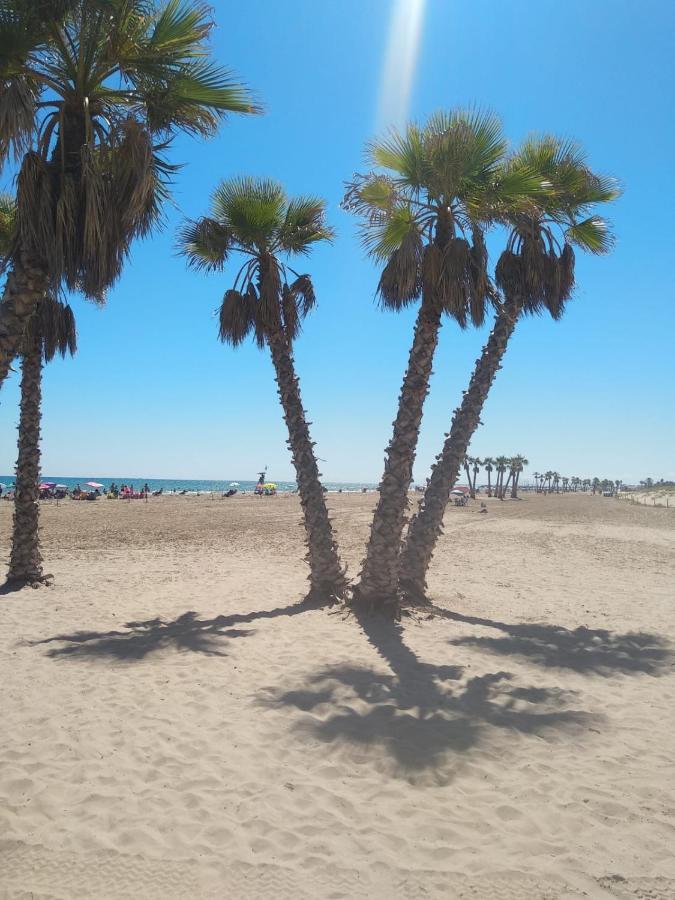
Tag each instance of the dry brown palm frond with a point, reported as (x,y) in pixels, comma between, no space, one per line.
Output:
(551,271)
(509,273)
(66,224)
(17,116)
(566,264)
(432,261)
(133,176)
(52,326)
(235,320)
(253,302)
(455,285)
(289,308)
(401,279)
(34,215)
(481,289)
(303,290)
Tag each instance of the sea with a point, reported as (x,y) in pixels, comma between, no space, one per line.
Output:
(190,485)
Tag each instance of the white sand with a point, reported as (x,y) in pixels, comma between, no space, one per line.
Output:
(174,727)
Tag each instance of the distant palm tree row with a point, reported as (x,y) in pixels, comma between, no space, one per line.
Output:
(92,93)
(500,465)
(554,482)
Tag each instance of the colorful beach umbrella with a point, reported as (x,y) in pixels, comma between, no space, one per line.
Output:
(93,484)
(47,485)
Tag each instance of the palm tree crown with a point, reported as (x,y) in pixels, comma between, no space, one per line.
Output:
(423,215)
(537,265)
(254,217)
(91,94)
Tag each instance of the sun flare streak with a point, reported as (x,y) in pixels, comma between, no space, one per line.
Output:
(400,63)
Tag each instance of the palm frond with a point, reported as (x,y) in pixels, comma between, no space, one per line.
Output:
(235,320)
(304,225)
(592,235)
(381,239)
(302,290)
(252,208)
(402,154)
(401,279)
(205,244)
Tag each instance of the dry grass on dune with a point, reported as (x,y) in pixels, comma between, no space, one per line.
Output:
(175,724)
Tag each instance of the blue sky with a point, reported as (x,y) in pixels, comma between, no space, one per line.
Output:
(152,392)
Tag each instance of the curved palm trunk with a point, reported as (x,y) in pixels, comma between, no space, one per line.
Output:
(426,527)
(378,587)
(506,486)
(25,565)
(327,576)
(25,286)
(514,488)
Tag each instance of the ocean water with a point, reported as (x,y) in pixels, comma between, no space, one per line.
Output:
(190,485)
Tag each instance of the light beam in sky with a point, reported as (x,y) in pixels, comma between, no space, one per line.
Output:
(400,63)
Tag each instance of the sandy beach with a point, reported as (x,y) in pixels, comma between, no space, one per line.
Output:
(176,725)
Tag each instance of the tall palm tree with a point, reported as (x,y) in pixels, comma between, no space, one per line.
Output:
(536,477)
(501,462)
(254,218)
(423,214)
(91,94)
(518,464)
(488,465)
(476,469)
(535,273)
(50,330)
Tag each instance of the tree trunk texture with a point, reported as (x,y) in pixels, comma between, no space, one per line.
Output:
(378,586)
(427,526)
(26,284)
(25,565)
(327,576)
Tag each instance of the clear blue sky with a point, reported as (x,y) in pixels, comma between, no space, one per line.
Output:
(152,392)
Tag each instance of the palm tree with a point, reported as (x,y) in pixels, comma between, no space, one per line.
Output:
(92,93)
(476,469)
(254,218)
(556,482)
(488,465)
(536,477)
(517,465)
(50,330)
(501,462)
(423,218)
(535,273)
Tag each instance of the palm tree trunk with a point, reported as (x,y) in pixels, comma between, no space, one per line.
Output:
(378,587)
(327,576)
(514,486)
(489,485)
(426,527)
(26,284)
(506,486)
(25,565)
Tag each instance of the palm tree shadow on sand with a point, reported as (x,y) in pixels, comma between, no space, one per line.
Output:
(187,632)
(592,651)
(418,712)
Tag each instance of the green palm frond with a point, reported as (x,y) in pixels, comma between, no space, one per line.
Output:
(205,244)
(253,208)
(383,238)
(304,225)
(592,235)
(401,154)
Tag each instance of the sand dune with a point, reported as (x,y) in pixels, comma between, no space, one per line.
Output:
(176,725)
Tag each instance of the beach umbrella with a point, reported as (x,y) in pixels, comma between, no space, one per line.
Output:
(61,487)
(93,484)
(270,485)
(459,491)
(234,484)
(47,485)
